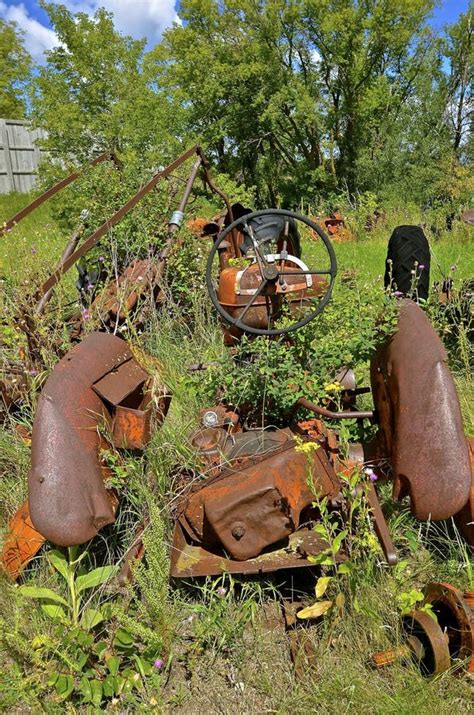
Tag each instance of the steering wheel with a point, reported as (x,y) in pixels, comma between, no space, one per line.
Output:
(269,283)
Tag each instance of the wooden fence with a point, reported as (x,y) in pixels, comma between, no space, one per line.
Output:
(19,157)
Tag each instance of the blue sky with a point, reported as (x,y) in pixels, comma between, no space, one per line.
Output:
(139,18)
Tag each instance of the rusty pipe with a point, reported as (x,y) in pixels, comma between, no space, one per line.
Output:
(224,197)
(177,217)
(329,414)
(54,190)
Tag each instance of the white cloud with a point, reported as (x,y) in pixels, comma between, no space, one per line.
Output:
(138,18)
(38,38)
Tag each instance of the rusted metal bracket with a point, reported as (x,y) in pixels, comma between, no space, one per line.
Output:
(54,190)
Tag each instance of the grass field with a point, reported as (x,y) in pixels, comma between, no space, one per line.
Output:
(221,642)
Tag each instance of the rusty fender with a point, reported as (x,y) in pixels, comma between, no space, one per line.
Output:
(421,430)
(68,500)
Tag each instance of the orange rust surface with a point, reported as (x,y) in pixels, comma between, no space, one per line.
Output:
(335,226)
(196,225)
(131,428)
(121,296)
(22,543)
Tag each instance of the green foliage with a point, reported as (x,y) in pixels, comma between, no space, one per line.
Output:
(95,77)
(94,660)
(269,376)
(15,66)
(318,96)
(77,582)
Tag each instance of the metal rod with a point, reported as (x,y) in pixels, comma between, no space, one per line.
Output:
(223,196)
(68,251)
(177,216)
(342,415)
(117,216)
(53,190)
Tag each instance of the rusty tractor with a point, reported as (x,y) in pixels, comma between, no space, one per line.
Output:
(255,509)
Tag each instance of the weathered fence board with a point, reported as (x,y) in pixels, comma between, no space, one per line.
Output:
(19,155)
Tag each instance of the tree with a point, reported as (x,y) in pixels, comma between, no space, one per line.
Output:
(299,92)
(15,67)
(92,95)
(459,51)
(90,87)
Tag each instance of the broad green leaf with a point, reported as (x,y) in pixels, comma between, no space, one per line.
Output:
(113,665)
(81,659)
(123,638)
(110,686)
(53,678)
(85,688)
(64,686)
(345,567)
(56,613)
(337,543)
(45,594)
(84,639)
(96,687)
(59,562)
(316,610)
(321,530)
(91,618)
(321,585)
(120,684)
(94,578)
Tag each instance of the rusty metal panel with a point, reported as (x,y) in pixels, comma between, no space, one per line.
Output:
(68,500)
(421,430)
(131,428)
(258,500)
(121,382)
(191,560)
(22,542)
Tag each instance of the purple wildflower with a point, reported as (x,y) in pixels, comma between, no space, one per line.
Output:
(158,664)
(33,372)
(90,286)
(421,266)
(101,259)
(398,293)
(371,474)
(33,250)
(85,314)
(221,591)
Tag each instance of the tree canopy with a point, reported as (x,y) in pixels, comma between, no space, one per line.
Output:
(296,98)
(15,65)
